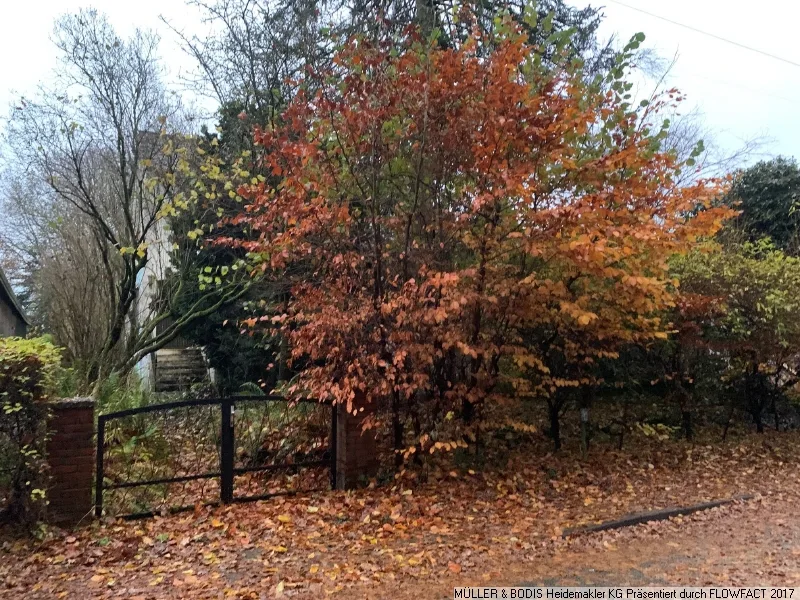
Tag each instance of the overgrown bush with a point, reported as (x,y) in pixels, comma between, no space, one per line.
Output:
(115,392)
(752,324)
(28,374)
(121,392)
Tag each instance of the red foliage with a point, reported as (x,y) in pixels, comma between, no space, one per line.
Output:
(461,227)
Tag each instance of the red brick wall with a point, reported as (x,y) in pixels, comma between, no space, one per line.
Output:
(70,454)
(356,450)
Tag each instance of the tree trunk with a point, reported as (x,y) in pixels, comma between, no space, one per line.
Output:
(397,431)
(103,373)
(555,425)
(728,421)
(467,411)
(586,402)
(584,431)
(283,360)
(688,426)
(775,412)
(759,421)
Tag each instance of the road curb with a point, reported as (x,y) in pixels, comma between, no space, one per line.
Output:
(653,515)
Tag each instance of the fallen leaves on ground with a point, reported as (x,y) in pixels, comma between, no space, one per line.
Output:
(472,527)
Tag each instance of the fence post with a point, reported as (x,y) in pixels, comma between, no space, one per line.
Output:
(333,443)
(98,486)
(356,449)
(70,455)
(226,452)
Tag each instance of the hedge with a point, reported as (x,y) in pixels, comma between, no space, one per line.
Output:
(28,372)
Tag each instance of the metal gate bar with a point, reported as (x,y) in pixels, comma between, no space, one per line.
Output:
(227,470)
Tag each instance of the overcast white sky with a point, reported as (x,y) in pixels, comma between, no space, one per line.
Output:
(741,93)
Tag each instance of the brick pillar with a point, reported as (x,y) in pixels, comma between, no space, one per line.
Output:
(356,450)
(70,454)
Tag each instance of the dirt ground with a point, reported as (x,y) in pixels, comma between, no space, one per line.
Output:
(417,541)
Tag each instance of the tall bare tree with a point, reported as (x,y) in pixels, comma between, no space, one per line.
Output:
(102,151)
(63,277)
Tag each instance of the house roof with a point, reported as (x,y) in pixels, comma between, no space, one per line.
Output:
(8,293)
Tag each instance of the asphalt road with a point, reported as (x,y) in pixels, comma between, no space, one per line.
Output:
(756,543)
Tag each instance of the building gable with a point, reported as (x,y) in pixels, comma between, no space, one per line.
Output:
(13,321)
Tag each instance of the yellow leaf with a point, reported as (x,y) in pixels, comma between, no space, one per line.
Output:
(313,569)
(284,518)
(217,523)
(313,509)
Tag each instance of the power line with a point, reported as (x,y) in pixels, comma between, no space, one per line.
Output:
(700,31)
(754,91)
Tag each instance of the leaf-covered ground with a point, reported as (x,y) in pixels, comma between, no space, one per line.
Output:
(418,540)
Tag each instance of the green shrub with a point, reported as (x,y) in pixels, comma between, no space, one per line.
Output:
(116,392)
(123,392)
(28,373)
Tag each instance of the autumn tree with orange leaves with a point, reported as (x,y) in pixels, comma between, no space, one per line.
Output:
(465,229)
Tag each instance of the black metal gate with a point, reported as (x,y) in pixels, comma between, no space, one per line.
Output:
(174,456)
